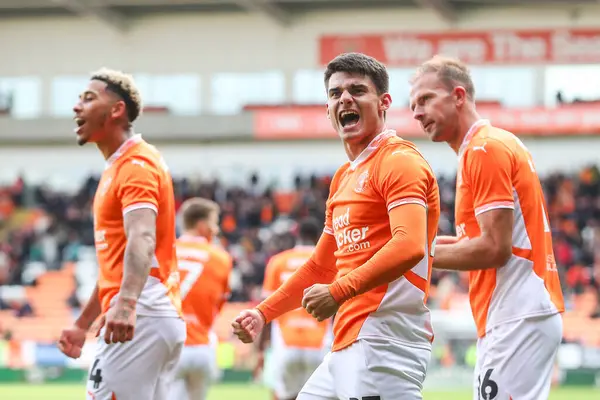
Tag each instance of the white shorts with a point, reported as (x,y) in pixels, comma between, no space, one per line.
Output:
(149,360)
(515,360)
(293,367)
(369,369)
(196,370)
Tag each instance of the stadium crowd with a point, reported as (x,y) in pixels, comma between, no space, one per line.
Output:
(258,222)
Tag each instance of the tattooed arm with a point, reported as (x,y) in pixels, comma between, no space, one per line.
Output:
(140,228)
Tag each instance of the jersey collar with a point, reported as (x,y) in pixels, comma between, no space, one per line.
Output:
(476,127)
(370,149)
(129,143)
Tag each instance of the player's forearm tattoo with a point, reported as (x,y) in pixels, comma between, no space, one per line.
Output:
(140,228)
(128,307)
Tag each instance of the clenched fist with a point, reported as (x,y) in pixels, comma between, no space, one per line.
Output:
(248,325)
(319,302)
(71,341)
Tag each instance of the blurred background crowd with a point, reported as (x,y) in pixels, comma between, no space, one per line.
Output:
(258,222)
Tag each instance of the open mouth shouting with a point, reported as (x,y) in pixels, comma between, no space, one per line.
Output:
(80,122)
(348,119)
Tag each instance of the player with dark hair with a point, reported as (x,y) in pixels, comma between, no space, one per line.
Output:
(372,264)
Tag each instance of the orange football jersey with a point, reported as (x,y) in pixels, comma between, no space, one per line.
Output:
(496,171)
(296,328)
(390,172)
(135,177)
(204,270)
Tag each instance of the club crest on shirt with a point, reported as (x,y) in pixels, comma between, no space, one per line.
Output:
(362,181)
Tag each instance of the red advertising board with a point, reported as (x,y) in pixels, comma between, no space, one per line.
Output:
(312,123)
(551,46)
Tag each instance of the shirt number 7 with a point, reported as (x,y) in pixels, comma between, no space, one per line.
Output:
(194,270)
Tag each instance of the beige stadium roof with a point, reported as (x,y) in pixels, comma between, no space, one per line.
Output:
(117,12)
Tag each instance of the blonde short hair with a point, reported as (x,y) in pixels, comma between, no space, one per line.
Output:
(451,71)
(123,85)
(197,209)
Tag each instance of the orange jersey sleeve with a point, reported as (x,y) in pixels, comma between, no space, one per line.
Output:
(136,177)
(488,174)
(320,268)
(496,171)
(409,227)
(296,328)
(403,177)
(402,180)
(374,237)
(138,186)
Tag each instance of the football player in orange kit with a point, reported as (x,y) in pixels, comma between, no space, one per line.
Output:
(205,270)
(137,291)
(502,238)
(380,227)
(298,341)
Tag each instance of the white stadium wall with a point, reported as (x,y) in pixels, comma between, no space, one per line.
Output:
(206,45)
(49,53)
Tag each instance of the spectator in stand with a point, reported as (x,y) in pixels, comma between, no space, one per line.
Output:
(252,234)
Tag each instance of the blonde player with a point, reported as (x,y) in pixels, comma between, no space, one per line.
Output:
(298,341)
(204,270)
(134,229)
(380,226)
(503,238)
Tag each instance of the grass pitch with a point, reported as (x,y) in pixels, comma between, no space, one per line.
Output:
(52,391)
